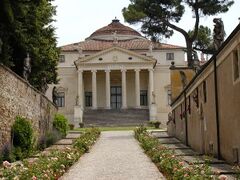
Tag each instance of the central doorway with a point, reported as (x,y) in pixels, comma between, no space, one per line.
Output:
(116,97)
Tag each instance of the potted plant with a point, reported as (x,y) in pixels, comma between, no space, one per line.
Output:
(156,124)
(71,126)
(81,125)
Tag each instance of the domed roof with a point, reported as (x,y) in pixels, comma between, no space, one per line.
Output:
(115,30)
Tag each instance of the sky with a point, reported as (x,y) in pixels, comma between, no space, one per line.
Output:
(78,19)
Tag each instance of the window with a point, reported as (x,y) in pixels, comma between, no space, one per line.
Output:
(61,58)
(60,99)
(170,56)
(88,99)
(169,96)
(143,98)
(235,65)
(204,91)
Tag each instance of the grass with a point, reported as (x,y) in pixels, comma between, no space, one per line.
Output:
(125,128)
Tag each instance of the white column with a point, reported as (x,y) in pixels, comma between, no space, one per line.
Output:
(80,89)
(137,87)
(151,86)
(78,109)
(124,89)
(107,72)
(94,89)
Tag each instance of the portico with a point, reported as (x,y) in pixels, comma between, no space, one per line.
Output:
(115,79)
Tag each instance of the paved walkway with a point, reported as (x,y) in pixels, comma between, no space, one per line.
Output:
(116,156)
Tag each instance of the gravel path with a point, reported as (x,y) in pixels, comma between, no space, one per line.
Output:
(116,156)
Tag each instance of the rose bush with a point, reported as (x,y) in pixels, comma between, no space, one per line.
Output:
(167,162)
(50,166)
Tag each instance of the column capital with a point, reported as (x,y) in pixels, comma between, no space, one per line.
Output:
(137,70)
(123,70)
(80,70)
(107,70)
(151,69)
(94,71)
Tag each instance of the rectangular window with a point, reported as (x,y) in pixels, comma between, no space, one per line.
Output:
(169,96)
(143,98)
(204,91)
(60,99)
(170,56)
(88,99)
(235,65)
(61,58)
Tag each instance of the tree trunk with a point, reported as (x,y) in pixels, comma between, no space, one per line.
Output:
(189,53)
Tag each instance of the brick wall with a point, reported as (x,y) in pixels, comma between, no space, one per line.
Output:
(17,97)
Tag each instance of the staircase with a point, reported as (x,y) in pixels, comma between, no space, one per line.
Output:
(115,117)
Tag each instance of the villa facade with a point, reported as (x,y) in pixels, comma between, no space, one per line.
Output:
(115,68)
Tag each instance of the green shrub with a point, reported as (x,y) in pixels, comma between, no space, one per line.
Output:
(61,124)
(6,153)
(49,139)
(22,137)
(71,126)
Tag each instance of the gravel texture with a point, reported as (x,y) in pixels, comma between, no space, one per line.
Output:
(116,156)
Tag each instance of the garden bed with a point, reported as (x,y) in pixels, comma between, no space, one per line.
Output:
(53,165)
(171,166)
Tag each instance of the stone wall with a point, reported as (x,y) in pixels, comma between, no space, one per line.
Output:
(19,98)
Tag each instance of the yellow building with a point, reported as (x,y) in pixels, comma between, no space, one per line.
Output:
(116,76)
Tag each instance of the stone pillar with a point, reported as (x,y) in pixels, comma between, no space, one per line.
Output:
(108,84)
(80,89)
(124,89)
(151,86)
(94,89)
(78,109)
(137,87)
(152,103)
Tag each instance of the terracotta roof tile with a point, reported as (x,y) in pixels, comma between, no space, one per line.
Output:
(134,44)
(117,27)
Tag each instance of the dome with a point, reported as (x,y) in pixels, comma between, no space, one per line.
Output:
(115,30)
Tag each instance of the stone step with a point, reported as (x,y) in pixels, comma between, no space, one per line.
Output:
(123,117)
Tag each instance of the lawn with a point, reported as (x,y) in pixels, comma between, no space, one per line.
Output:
(125,128)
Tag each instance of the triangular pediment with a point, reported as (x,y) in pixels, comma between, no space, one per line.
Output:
(115,55)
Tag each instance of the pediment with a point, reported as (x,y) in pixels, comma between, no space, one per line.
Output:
(115,55)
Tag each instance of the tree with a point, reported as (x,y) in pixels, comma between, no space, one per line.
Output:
(204,40)
(160,17)
(25,27)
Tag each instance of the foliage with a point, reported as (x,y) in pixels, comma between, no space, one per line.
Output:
(25,27)
(6,153)
(52,166)
(156,124)
(87,139)
(60,122)
(204,40)
(22,137)
(49,139)
(172,166)
(71,126)
(160,18)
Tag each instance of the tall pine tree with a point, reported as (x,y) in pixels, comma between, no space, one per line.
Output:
(25,27)
(160,17)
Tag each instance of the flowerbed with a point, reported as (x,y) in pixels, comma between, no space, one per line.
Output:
(52,166)
(166,161)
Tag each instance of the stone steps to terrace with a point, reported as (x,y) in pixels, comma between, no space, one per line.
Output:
(189,156)
(115,117)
